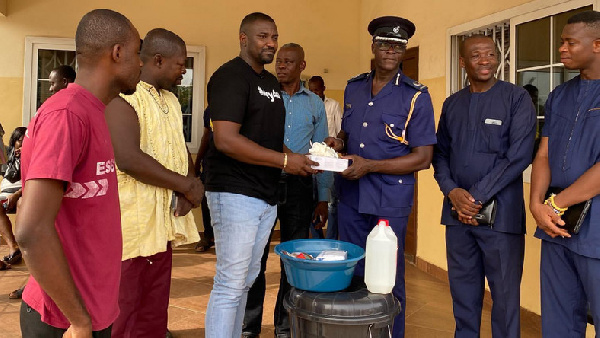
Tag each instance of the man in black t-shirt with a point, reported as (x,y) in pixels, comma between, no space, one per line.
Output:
(243,165)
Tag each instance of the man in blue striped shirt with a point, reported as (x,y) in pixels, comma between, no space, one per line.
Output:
(305,122)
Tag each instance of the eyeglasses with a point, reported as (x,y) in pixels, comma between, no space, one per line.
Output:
(385,46)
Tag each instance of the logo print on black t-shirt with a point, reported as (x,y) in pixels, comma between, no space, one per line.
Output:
(271,95)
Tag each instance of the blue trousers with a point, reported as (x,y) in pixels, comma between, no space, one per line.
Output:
(354,227)
(242,226)
(570,282)
(332,220)
(477,252)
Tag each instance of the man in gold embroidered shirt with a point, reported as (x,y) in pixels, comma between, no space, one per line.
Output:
(157,187)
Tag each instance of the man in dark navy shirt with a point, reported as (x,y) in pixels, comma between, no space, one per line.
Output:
(485,141)
(243,165)
(388,131)
(568,159)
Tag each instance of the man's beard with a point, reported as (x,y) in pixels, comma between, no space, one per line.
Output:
(267,58)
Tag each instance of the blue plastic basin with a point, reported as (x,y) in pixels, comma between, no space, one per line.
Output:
(319,276)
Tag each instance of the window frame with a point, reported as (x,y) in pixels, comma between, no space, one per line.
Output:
(34,43)
(199,54)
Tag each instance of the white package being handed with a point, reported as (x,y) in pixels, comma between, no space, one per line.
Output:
(327,158)
(332,255)
(329,163)
(381,258)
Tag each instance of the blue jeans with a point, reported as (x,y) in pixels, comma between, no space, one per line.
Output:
(241,226)
(294,211)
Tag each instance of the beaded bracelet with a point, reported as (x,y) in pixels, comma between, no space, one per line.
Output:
(550,202)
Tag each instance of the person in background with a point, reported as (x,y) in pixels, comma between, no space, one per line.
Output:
(10,192)
(3,157)
(388,131)
(568,162)
(68,165)
(208,237)
(60,77)
(484,142)
(316,84)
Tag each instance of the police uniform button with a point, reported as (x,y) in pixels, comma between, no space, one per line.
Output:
(362,145)
(392,125)
(399,181)
(370,103)
(365,124)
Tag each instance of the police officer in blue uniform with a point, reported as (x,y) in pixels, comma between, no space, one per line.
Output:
(568,158)
(485,140)
(388,131)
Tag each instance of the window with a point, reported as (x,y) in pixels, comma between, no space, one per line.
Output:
(41,56)
(44,54)
(538,67)
(48,60)
(191,97)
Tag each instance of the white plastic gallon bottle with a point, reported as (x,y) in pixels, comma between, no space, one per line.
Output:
(381,258)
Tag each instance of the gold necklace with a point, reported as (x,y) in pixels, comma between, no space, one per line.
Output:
(164,107)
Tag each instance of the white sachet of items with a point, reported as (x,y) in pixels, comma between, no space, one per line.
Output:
(321,149)
(332,255)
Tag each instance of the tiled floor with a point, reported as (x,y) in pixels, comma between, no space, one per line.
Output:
(428,312)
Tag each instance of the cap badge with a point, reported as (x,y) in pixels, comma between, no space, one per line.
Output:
(396,29)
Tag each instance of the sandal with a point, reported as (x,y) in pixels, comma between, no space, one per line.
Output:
(204,245)
(4,266)
(17,294)
(13,258)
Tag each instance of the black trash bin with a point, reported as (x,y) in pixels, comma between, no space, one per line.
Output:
(353,314)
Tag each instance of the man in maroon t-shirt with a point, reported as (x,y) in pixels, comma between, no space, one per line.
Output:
(69,218)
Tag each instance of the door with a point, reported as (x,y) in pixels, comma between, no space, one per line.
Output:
(410,68)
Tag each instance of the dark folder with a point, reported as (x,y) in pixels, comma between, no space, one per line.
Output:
(575,215)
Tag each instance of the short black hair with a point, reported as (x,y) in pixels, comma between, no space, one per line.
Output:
(14,137)
(589,18)
(531,88)
(252,18)
(101,29)
(161,41)
(317,78)
(461,46)
(293,45)
(65,72)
